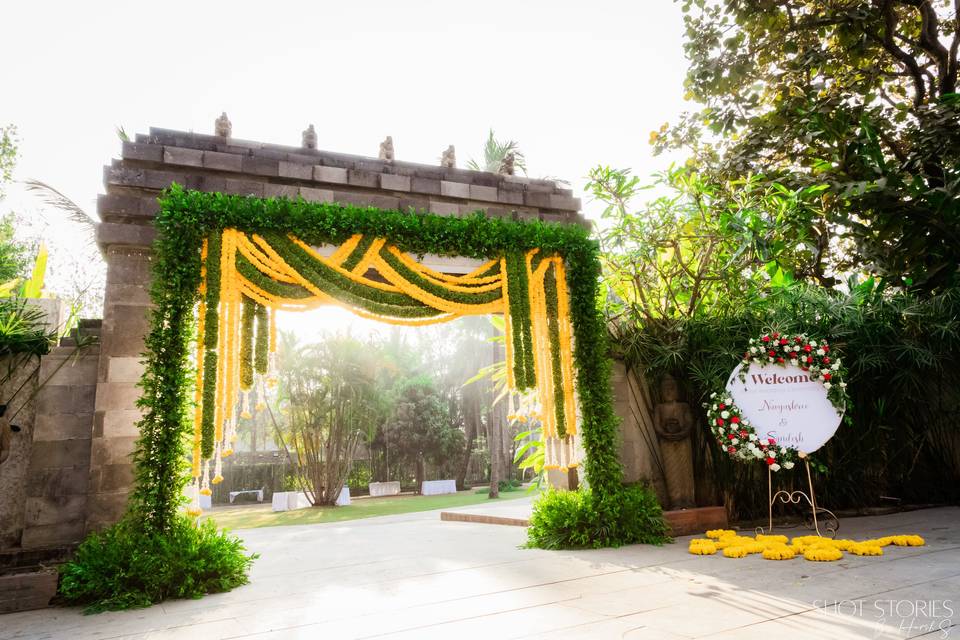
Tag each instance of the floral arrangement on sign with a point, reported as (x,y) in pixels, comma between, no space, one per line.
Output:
(735,434)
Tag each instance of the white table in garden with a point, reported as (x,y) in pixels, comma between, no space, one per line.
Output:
(438,487)
(378,489)
(256,492)
(292,500)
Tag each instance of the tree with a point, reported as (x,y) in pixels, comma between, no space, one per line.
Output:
(8,154)
(494,153)
(858,96)
(328,392)
(704,246)
(420,430)
(13,255)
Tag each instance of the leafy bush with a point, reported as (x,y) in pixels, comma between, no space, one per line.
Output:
(900,436)
(125,567)
(582,519)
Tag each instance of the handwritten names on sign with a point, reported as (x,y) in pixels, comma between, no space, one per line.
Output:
(784,403)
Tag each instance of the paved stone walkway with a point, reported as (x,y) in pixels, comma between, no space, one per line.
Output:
(412,576)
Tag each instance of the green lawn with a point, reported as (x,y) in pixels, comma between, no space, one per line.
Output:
(251,517)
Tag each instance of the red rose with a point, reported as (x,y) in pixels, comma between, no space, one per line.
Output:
(798,339)
(807,348)
(730,436)
(827,376)
(765,338)
(780,360)
(826,348)
(793,354)
(772,441)
(826,361)
(809,358)
(770,461)
(732,449)
(722,406)
(776,335)
(735,420)
(719,422)
(772,353)
(783,341)
(743,434)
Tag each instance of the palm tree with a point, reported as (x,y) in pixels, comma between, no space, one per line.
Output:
(87,220)
(494,152)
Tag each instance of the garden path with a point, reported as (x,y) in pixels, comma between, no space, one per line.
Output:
(413,576)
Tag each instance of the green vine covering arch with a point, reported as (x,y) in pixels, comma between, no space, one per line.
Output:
(188,218)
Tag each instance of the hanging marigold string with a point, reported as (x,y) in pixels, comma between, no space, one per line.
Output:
(247,278)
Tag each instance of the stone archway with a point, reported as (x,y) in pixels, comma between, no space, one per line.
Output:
(226,165)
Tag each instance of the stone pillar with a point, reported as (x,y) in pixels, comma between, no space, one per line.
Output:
(125,324)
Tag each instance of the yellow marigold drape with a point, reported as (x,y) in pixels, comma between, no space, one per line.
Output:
(375,280)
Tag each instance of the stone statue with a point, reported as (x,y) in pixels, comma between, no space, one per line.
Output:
(309,138)
(673,421)
(506,166)
(223,127)
(386,149)
(449,158)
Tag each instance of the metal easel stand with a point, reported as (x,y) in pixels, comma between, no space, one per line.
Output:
(831,524)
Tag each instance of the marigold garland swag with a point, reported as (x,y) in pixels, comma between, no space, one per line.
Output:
(224,264)
(779,547)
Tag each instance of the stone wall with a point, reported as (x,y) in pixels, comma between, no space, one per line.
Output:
(20,372)
(57,484)
(639,447)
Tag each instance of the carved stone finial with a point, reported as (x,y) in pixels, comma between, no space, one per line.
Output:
(386,149)
(506,166)
(223,127)
(449,158)
(309,139)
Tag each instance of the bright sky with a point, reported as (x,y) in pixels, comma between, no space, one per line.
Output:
(576,84)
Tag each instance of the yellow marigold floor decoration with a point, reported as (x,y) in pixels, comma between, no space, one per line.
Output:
(779,547)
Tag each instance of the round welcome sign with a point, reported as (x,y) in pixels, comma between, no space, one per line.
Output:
(785,403)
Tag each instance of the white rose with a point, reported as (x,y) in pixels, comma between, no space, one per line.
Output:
(714,407)
(753,438)
(728,400)
(713,395)
(843,385)
(788,465)
(827,385)
(752,340)
(786,347)
(753,349)
(724,414)
(746,423)
(783,450)
(735,441)
(774,467)
(836,365)
(757,453)
(813,343)
(821,352)
(769,359)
